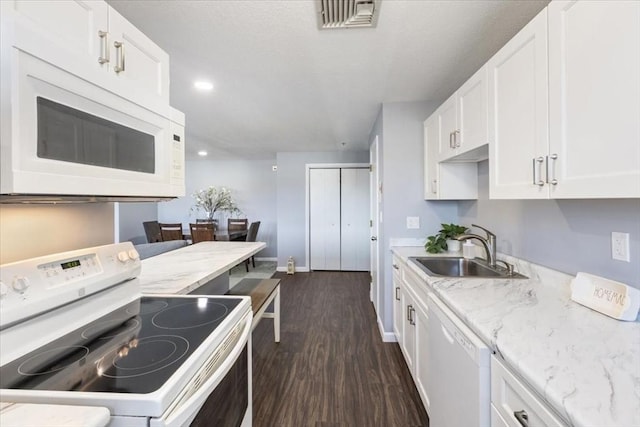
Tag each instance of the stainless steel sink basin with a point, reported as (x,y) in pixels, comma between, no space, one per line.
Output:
(461,267)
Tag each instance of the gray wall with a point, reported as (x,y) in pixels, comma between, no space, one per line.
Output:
(291,198)
(32,230)
(401,165)
(566,235)
(131,216)
(253,185)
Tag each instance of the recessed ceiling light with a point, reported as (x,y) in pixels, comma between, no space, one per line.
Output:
(202,153)
(203,85)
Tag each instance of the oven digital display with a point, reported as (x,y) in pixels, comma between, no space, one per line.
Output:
(70,264)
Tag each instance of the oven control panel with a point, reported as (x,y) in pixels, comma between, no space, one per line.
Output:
(34,286)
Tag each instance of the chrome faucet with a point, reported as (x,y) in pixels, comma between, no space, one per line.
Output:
(489,243)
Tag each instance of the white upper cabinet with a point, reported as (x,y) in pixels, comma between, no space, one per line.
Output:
(594,99)
(564,105)
(463,121)
(445,181)
(91,40)
(518,114)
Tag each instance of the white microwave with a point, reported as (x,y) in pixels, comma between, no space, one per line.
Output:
(66,138)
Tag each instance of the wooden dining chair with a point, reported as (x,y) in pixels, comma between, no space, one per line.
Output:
(203,232)
(237,224)
(152,230)
(252,234)
(171,231)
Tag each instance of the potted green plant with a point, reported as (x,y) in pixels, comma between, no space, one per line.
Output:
(445,240)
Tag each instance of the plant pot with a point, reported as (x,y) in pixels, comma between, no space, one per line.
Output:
(454,246)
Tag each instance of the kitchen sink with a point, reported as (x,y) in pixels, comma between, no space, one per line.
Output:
(462,267)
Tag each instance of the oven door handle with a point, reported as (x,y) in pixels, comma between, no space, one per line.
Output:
(182,413)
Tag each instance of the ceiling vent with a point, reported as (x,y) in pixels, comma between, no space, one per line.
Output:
(347,13)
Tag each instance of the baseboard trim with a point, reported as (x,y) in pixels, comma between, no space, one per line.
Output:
(298,269)
(386,336)
(266,258)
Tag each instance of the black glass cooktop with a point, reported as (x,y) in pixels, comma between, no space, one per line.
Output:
(134,349)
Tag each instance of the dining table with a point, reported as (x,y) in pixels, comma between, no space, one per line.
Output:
(222,235)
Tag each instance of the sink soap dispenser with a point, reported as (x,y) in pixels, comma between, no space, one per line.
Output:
(468,250)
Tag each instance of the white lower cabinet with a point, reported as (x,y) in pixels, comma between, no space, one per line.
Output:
(410,324)
(513,404)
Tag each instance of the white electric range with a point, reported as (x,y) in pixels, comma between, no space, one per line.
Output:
(75,330)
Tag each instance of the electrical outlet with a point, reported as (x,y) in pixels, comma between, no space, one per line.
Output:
(413,222)
(620,246)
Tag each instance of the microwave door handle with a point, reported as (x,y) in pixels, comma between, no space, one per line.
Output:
(184,413)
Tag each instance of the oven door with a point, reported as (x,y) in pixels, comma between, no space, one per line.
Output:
(67,136)
(220,393)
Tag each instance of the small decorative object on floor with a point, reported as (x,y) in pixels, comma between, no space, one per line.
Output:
(291,267)
(445,240)
(214,199)
(606,296)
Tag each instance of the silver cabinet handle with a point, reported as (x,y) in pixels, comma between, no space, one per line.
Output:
(537,172)
(409,308)
(434,186)
(522,418)
(374,238)
(396,266)
(119,57)
(412,319)
(451,142)
(104,47)
(397,290)
(456,143)
(553,180)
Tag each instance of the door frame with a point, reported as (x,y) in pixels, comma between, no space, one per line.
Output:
(307,199)
(374,206)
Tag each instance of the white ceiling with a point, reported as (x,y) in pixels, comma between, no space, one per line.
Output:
(281,84)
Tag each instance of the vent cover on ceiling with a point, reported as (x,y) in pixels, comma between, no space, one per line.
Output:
(347,13)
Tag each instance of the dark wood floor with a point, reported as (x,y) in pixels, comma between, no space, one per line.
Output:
(331,367)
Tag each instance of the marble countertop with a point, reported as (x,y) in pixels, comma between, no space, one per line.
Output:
(34,415)
(584,364)
(182,270)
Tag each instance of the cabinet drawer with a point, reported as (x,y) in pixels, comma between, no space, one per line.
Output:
(509,397)
(496,418)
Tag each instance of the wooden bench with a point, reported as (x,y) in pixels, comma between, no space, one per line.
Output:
(262,293)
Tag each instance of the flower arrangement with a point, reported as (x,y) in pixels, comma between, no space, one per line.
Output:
(214,199)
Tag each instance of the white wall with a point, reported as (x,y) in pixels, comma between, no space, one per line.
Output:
(253,185)
(131,216)
(400,133)
(28,231)
(566,235)
(291,179)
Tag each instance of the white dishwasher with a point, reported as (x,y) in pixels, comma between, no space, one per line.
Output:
(459,362)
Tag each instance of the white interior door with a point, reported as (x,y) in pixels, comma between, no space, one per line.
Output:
(354,219)
(374,201)
(324,219)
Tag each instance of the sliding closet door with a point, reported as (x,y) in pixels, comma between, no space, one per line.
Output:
(355,220)
(324,219)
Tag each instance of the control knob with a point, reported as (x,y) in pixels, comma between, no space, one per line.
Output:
(133,254)
(20,284)
(123,256)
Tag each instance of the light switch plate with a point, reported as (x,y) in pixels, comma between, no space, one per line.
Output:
(620,246)
(413,222)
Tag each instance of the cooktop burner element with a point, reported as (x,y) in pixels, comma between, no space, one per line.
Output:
(127,351)
(191,314)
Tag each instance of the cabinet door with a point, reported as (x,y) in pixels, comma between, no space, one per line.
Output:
(472,113)
(421,361)
(594,98)
(431,143)
(64,33)
(408,331)
(398,318)
(518,119)
(447,125)
(146,66)
(354,219)
(324,219)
